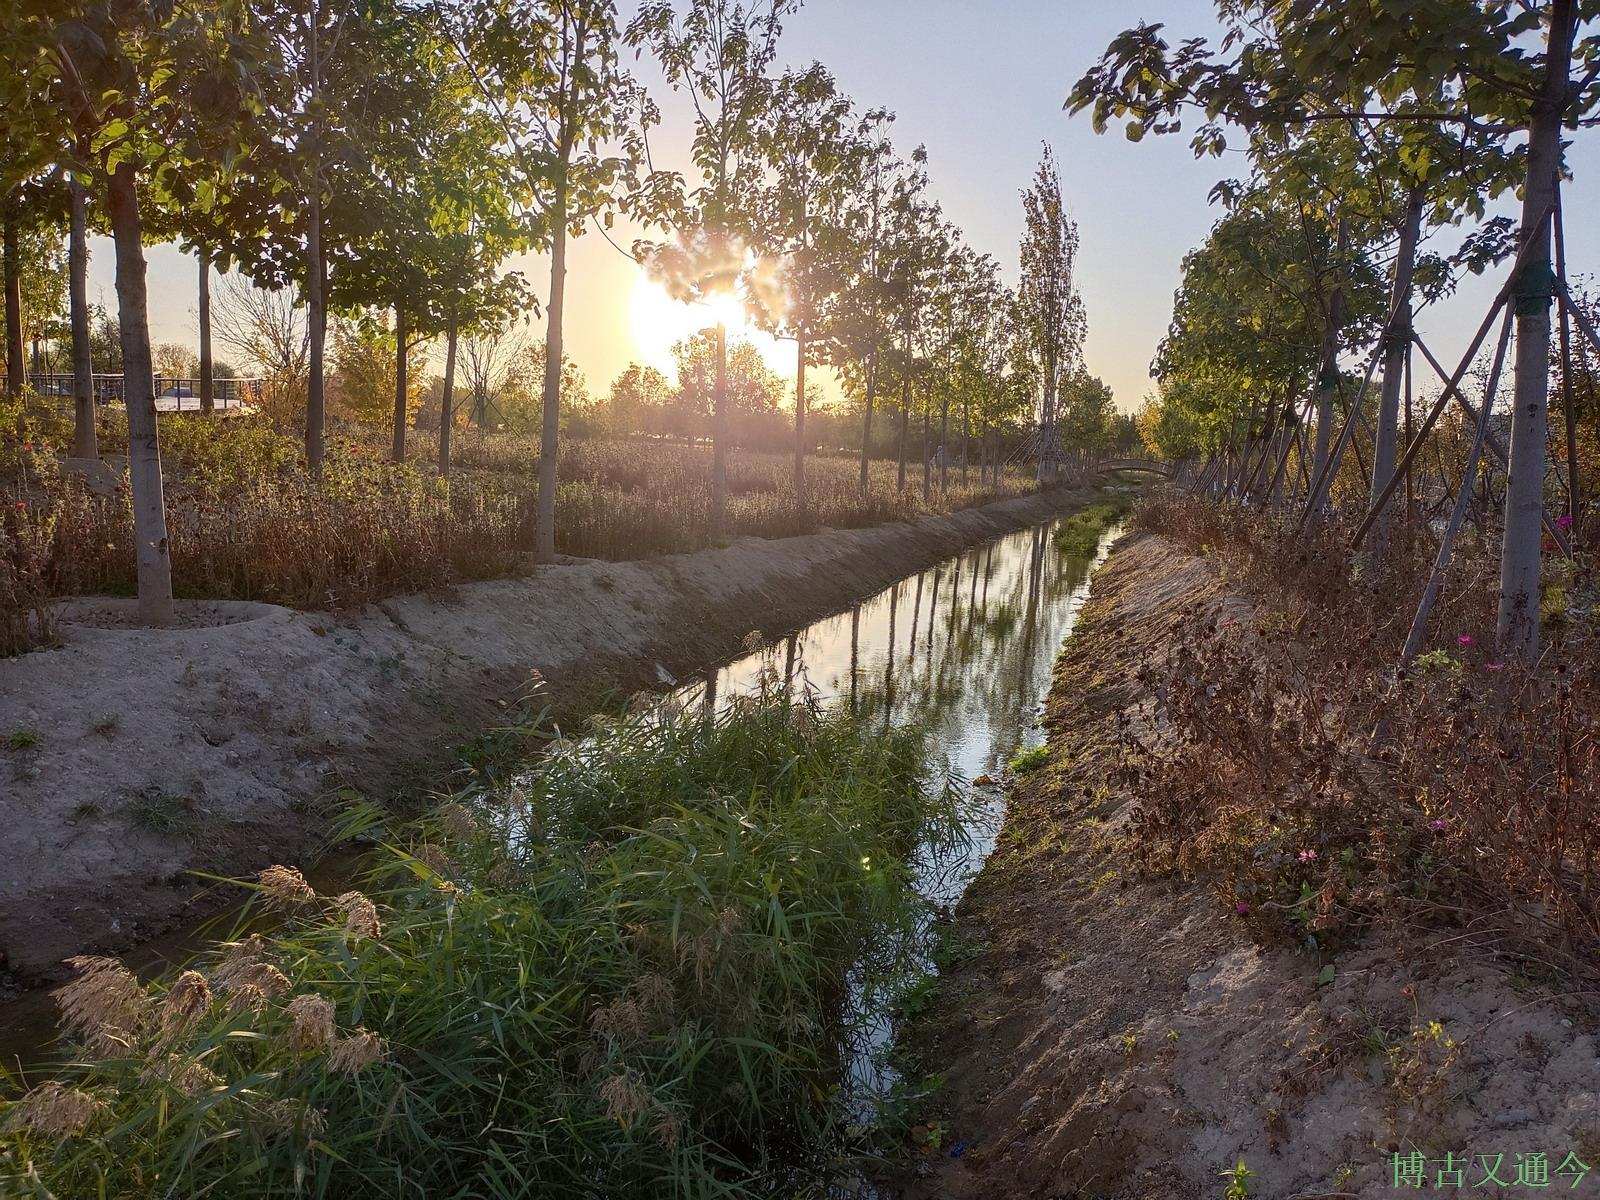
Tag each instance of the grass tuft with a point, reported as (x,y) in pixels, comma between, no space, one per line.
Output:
(627,974)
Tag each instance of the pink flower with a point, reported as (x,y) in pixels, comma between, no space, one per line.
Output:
(1464,640)
(1308,856)
(1564,521)
(1242,908)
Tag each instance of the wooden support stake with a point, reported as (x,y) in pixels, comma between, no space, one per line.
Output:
(1469,473)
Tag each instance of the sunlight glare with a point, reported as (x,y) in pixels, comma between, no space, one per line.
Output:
(659,322)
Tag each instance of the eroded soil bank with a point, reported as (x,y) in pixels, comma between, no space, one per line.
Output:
(1110,1034)
(131,757)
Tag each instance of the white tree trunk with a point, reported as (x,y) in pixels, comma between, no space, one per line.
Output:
(138,393)
(84,441)
(1394,365)
(1518,629)
(447,400)
(554,350)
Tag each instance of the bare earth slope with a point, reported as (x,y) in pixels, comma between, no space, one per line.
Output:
(130,757)
(1121,1036)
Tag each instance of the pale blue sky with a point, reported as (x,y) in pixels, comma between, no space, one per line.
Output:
(981,84)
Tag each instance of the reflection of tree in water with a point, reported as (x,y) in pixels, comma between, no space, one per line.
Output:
(965,648)
(972,644)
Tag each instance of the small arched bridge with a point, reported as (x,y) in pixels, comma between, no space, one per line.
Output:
(1148,466)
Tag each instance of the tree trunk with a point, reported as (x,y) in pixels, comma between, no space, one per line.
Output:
(447,400)
(1047,415)
(84,442)
(944,443)
(316,270)
(1395,350)
(1568,412)
(13,289)
(719,435)
(402,385)
(966,441)
(800,422)
(900,450)
(927,457)
(866,418)
(208,396)
(1328,371)
(1517,633)
(544,546)
(138,394)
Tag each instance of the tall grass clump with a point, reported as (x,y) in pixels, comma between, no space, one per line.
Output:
(627,975)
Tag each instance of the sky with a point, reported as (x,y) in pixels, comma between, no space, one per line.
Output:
(981,84)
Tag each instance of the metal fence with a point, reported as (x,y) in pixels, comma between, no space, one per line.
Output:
(173,393)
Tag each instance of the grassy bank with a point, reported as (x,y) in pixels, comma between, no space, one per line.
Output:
(625,975)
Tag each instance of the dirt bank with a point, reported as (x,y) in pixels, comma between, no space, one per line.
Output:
(130,757)
(1117,1035)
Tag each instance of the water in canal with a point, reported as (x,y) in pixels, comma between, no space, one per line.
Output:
(966,649)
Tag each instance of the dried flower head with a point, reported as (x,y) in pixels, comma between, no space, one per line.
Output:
(356,1052)
(435,857)
(186,1000)
(668,1129)
(285,888)
(313,1022)
(245,968)
(754,642)
(655,993)
(620,1020)
(184,1074)
(458,822)
(288,1116)
(505,874)
(54,1111)
(105,1004)
(360,916)
(625,1098)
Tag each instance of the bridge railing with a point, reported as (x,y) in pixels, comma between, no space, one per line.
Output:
(174,393)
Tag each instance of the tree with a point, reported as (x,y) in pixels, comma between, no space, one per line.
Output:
(639,400)
(808,145)
(709,369)
(717,53)
(1477,67)
(1048,292)
(117,70)
(548,70)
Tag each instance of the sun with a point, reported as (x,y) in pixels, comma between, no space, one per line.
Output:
(659,322)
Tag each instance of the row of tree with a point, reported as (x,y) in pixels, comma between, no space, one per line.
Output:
(389,156)
(1367,126)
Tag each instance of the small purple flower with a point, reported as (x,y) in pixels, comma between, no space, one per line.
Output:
(1242,909)
(1437,825)
(1494,666)
(1308,856)
(1465,640)
(1564,521)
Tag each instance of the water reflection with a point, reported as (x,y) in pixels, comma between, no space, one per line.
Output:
(964,647)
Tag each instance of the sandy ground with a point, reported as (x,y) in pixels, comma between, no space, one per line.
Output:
(131,757)
(1120,1036)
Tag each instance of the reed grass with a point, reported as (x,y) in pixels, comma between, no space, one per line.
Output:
(246,522)
(625,974)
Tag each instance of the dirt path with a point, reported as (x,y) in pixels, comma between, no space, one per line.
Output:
(130,757)
(1121,1036)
